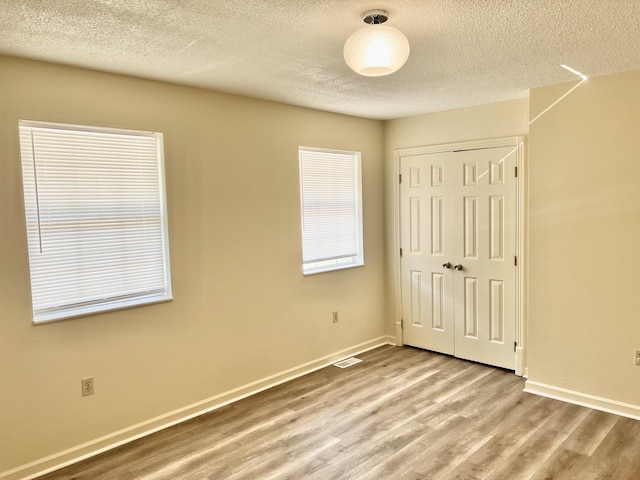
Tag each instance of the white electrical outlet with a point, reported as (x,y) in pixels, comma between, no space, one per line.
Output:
(637,356)
(87,386)
(335,317)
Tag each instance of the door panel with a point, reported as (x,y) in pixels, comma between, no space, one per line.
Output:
(486,250)
(426,204)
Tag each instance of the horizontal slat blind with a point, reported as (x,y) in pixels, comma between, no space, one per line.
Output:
(331,209)
(96,221)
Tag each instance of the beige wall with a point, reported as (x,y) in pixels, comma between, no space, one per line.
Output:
(242,309)
(584,316)
(502,119)
(494,120)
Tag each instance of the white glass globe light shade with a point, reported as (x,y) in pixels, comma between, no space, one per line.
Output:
(376,50)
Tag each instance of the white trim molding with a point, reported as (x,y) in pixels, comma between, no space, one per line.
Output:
(397,277)
(583,399)
(110,441)
(513,141)
(520,367)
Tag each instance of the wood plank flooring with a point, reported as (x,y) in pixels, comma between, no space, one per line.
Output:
(401,414)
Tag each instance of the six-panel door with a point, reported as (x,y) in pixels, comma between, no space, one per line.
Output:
(427,209)
(458,237)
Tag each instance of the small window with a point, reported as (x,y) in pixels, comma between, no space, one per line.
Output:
(331,205)
(96,218)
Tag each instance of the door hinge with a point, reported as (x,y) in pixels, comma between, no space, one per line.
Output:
(402,324)
(400,178)
(515,345)
(400,252)
(515,261)
(516,171)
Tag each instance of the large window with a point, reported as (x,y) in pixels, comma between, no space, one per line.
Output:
(96,218)
(331,204)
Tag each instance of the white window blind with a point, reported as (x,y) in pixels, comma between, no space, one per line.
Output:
(331,206)
(96,218)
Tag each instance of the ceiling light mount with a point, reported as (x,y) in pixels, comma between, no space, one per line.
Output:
(376,49)
(375,17)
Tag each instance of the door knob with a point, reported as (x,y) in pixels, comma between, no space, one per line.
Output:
(457,266)
(446,265)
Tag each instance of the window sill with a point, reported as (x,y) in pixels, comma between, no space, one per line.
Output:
(70,314)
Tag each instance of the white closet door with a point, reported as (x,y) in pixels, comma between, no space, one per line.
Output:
(485,249)
(458,222)
(427,209)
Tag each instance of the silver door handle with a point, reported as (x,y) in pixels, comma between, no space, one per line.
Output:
(446,265)
(457,266)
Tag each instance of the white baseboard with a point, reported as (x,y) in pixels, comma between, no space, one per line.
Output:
(583,399)
(99,445)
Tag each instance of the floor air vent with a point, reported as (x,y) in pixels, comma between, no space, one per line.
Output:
(347,362)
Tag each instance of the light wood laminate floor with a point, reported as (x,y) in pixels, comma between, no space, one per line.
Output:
(401,414)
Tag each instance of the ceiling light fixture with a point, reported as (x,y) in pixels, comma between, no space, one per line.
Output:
(376,50)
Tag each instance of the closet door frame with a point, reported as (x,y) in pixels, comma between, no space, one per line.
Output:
(518,143)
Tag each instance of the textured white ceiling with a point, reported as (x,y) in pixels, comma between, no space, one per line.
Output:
(463,52)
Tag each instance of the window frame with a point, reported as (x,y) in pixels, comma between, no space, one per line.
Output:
(159,283)
(341,262)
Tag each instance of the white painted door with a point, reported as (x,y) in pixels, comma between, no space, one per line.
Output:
(458,238)
(427,210)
